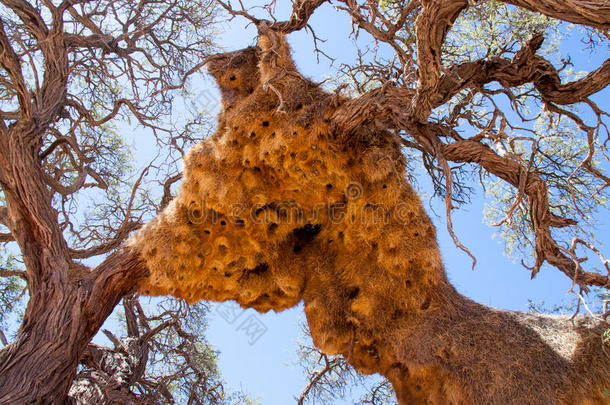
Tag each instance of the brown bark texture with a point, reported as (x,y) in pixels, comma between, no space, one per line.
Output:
(39,366)
(42,124)
(65,309)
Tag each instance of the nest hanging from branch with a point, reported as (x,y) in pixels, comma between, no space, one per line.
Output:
(283,205)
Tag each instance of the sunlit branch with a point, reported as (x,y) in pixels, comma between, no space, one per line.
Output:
(595,13)
(301,12)
(10,62)
(13,273)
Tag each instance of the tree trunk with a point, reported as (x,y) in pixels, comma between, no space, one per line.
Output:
(60,321)
(68,303)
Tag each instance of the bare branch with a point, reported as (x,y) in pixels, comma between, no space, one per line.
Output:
(432,24)
(449,207)
(301,12)
(13,273)
(329,365)
(536,190)
(167,193)
(119,237)
(86,114)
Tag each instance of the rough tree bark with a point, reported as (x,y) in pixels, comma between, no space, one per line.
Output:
(40,45)
(594,13)
(67,303)
(61,319)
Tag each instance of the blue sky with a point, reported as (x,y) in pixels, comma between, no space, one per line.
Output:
(266,368)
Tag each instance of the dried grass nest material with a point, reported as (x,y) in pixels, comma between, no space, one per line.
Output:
(279,207)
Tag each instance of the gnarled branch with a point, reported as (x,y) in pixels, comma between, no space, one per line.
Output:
(594,13)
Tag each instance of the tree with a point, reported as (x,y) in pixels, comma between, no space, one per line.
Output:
(424,99)
(330,378)
(71,72)
(162,359)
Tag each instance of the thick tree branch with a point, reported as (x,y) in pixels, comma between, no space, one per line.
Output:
(51,95)
(110,372)
(32,221)
(524,67)
(30,17)
(432,25)
(106,43)
(536,190)
(390,104)
(130,316)
(10,62)
(379,106)
(13,273)
(594,13)
(301,12)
